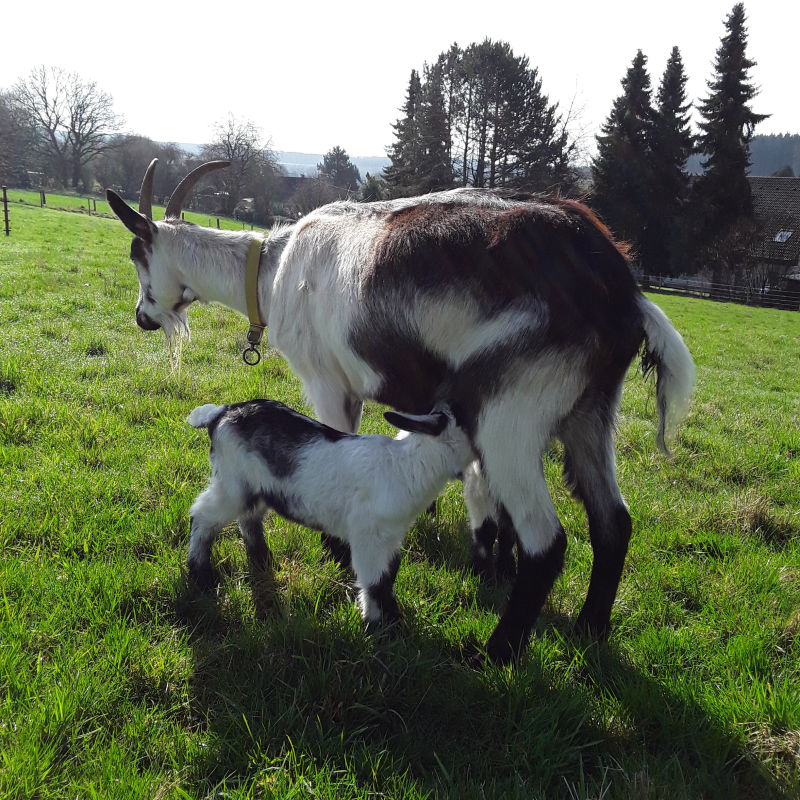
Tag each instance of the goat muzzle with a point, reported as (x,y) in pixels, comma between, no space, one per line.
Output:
(146,323)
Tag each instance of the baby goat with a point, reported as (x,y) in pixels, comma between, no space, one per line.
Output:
(364,490)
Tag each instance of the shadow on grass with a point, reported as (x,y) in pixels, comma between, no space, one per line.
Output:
(308,696)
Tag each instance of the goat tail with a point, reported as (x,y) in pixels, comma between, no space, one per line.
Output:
(665,351)
(205,416)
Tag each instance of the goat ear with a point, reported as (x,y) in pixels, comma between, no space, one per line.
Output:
(135,222)
(431,424)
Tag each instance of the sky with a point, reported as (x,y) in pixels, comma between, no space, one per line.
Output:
(315,75)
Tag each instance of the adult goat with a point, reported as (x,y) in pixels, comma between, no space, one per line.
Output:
(519,312)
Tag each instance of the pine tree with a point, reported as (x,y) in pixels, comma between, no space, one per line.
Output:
(337,167)
(400,175)
(478,117)
(622,171)
(664,248)
(722,192)
(434,169)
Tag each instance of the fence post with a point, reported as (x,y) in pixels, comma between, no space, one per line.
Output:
(42,198)
(5,211)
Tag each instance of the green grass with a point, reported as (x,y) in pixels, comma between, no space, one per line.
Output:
(116,681)
(90,205)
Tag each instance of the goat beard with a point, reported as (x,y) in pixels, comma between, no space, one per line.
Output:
(176,329)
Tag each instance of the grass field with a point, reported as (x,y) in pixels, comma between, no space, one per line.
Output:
(117,682)
(82,204)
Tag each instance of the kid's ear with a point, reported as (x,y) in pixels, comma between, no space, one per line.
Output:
(430,424)
(135,222)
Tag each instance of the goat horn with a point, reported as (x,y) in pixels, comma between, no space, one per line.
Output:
(187,184)
(146,192)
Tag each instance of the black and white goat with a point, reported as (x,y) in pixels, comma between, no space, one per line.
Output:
(363,490)
(520,312)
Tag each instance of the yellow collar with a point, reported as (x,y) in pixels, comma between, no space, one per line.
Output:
(257,325)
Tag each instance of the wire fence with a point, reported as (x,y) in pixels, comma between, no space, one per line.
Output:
(768,297)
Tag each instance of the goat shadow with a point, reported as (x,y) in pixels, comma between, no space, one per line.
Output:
(309,690)
(444,542)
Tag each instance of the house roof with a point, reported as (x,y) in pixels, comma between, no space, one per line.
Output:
(776,205)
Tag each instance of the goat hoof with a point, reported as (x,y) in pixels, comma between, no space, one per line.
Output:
(387,622)
(474,657)
(202,577)
(376,627)
(501,650)
(506,568)
(585,628)
(483,568)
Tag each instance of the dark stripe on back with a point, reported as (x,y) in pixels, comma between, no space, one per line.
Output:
(544,254)
(277,433)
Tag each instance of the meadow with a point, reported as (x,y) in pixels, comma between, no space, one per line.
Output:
(117,681)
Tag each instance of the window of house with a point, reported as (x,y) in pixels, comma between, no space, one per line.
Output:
(783,236)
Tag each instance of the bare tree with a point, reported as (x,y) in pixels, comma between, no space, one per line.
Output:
(91,121)
(254,168)
(74,119)
(17,156)
(123,165)
(312,193)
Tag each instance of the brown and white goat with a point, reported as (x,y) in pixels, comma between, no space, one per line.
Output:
(520,313)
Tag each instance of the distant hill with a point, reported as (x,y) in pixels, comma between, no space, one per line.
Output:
(297,164)
(768,154)
(306,163)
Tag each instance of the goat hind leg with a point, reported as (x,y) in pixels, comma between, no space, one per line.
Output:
(252,529)
(590,468)
(210,512)
(341,410)
(201,537)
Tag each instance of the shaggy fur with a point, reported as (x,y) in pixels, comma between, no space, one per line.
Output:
(366,491)
(519,312)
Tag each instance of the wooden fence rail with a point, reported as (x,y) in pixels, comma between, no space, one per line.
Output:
(746,295)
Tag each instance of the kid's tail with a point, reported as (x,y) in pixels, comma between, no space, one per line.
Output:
(665,351)
(205,416)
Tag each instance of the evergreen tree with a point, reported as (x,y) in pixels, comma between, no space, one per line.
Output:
(664,247)
(400,175)
(479,117)
(339,170)
(622,173)
(434,169)
(372,188)
(728,122)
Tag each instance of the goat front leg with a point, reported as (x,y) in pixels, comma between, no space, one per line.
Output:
(375,564)
(341,410)
(513,466)
(334,405)
(489,522)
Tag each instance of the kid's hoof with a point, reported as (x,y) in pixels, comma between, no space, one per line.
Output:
(202,577)
(586,628)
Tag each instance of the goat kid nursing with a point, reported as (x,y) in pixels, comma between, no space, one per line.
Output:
(520,312)
(364,490)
